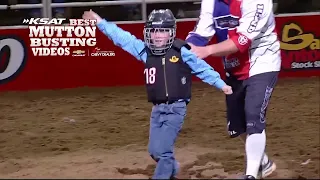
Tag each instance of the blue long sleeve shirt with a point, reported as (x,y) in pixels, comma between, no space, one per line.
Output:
(134,46)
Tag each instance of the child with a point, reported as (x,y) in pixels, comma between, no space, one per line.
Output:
(168,69)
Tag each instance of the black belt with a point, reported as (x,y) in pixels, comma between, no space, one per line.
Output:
(167,102)
(163,102)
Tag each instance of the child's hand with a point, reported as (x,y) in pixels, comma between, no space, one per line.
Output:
(91,15)
(227,89)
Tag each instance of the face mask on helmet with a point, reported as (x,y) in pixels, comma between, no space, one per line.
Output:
(160,31)
(159,40)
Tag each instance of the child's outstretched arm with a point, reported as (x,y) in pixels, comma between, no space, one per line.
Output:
(120,37)
(204,71)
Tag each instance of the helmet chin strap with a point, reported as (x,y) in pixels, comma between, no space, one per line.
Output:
(158,52)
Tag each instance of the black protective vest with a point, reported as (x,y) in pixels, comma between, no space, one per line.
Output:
(167,77)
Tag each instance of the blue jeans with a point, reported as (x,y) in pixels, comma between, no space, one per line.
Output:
(165,124)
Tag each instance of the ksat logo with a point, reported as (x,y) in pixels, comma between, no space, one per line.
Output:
(97,52)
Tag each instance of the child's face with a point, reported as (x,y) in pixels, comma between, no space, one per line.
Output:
(160,38)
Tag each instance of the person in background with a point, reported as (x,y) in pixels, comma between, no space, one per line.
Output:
(57,12)
(249,45)
(133,11)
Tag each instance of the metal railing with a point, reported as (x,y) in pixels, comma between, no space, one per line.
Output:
(47,7)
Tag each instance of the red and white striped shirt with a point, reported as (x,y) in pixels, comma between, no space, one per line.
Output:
(255,37)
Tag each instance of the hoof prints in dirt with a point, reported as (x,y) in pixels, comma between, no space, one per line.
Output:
(204,167)
(213,165)
(219,165)
(148,171)
(38,133)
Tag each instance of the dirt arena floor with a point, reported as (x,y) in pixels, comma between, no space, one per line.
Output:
(103,133)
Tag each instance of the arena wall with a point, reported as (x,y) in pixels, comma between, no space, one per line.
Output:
(299,37)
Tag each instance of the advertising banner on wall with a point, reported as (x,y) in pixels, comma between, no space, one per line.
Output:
(41,58)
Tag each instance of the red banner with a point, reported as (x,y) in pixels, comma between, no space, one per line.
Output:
(20,70)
